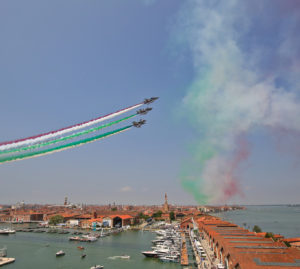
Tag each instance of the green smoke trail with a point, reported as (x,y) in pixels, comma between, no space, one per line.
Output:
(39,145)
(63,147)
(203,149)
(191,171)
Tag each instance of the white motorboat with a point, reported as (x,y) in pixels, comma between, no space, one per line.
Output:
(97,267)
(60,253)
(90,238)
(150,254)
(7,231)
(169,259)
(119,257)
(124,257)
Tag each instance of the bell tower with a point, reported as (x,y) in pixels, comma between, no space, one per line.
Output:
(166,205)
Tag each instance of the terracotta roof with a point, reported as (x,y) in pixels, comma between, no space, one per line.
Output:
(290,240)
(246,248)
(121,216)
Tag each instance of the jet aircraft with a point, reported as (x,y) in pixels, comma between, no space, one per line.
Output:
(150,100)
(144,111)
(139,123)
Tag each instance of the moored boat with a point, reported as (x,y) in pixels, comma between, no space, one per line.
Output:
(150,254)
(7,231)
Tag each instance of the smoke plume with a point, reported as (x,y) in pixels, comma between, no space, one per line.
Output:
(246,57)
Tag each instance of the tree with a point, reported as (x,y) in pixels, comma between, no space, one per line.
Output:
(269,235)
(114,209)
(172,215)
(142,216)
(157,214)
(257,229)
(54,220)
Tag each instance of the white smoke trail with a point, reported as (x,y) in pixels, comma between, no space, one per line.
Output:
(54,134)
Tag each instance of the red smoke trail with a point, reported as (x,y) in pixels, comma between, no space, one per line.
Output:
(232,186)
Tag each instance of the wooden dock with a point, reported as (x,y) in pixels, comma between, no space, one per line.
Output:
(184,253)
(4,261)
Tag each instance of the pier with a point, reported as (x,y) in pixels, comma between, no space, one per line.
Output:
(4,261)
(184,253)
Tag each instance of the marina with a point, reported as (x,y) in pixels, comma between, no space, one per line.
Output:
(166,246)
(121,250)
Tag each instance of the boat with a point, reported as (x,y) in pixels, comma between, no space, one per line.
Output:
(7,231)
(168,259)
(84,238)
(83,256)
(97,267)
(80,247)
(119,257)
(90,238)
(17,222)
(60,253)
(150,254)
(77,238)
(3,252)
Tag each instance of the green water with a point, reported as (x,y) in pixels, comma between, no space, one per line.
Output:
(279,219)
(31,252)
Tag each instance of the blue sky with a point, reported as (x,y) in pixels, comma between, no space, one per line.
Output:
(63,62)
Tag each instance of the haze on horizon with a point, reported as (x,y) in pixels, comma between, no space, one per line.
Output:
(67,62)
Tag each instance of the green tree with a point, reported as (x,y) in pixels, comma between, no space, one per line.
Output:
(54,220)
(114,209)
(142,216)
(269,235)
(172,215)
(257,229)
(157,214)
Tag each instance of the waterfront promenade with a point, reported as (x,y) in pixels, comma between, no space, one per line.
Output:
(209,261)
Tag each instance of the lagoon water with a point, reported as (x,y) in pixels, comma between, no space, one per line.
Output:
(279,219)
(31,251)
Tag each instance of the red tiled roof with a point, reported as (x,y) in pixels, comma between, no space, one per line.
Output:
(291,240)
(121,216)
